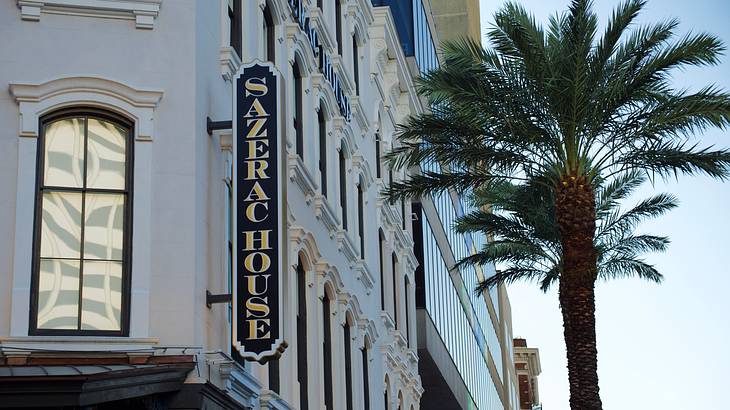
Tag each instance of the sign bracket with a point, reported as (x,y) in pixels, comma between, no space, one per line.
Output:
(211,125)
(210,298)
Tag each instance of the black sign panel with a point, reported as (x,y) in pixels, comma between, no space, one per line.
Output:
(260,229)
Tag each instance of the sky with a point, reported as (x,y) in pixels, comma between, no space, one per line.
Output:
(659,346)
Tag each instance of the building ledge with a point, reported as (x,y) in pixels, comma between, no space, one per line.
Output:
(143,12)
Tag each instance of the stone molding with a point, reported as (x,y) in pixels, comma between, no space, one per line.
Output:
(143,12)
(37,99)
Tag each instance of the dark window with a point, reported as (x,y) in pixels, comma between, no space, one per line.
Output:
(405,303)
(377,155)
(302,337)
(348,367)
(327,351)
(298,117)
(385,398)
(234,14)
(269,29)
(274,375)
(355,63)
(394,266)
(343,188)
(81,254)
(338,25)
(403,214)
(360,222)
(381,255)
(322,124)
(365,377)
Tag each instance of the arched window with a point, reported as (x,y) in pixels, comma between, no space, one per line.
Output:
(377,155)
(348,365)
(386,405)
(327,352)
(360,217)
(365,375)
(298,116)
(322,126)
(407,289)
(343,186)
(235,17)
(394,266)
(302,336)
(403,213)
(270,38)
(381,261)
(81,263)
(355,65)
(338,25)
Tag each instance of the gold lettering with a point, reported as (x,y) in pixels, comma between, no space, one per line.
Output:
(258,191)
(252,284)
(265,263)
(251,211)
(251,238)
(257,169)
(254,329)
(257,126)
(257,109)
(258,146)
(258,307)
(256,88)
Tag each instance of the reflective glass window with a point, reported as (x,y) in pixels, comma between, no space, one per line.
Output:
(81,267)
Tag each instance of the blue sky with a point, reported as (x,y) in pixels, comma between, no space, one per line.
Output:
(659,346)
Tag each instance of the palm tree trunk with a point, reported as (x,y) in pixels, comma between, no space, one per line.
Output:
(575,210)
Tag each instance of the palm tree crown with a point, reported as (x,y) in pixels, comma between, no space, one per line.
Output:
(554,126)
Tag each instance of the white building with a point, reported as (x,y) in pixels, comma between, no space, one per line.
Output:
(117,201)
(106,117)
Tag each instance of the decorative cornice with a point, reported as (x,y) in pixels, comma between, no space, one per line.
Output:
(230,61)
(323,211)
(358,112)
(359,163)
(300,176)
(364,275)
(143,12)
(344,243)
(29,92)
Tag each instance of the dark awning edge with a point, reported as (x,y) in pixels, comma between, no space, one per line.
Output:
(81,389)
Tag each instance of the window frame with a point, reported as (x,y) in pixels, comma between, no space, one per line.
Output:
(128,125)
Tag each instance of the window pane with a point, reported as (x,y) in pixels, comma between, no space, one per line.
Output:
(104,224)
(61,225)
(58,294)
(64,153)
(101,305)
(105,156)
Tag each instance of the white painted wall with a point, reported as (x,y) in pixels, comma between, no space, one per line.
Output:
(179,247)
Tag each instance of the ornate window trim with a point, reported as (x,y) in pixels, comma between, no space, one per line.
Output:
(143,12)
(34,101)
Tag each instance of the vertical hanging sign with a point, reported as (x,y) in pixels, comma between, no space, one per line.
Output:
(260,228)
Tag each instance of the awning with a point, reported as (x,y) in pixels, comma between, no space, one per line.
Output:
(84,385)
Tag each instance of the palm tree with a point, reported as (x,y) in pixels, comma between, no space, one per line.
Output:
(565,117)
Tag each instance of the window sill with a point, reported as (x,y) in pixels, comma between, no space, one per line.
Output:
(76,343)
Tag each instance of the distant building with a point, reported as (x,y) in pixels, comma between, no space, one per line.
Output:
(527,366)
(464,340)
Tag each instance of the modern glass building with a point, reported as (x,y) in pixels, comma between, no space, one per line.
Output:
(464,340)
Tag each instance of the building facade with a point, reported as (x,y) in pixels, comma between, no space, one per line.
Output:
(118,207)
(527,367)
(464,340)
